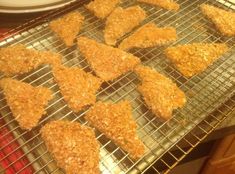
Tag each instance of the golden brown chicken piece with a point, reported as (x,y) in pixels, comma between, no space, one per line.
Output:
(77,87)
(107,62)
(67,27)
(166,4)
(122,21)
(223,20)
(149,36)
(26,102)
(73,146)
(192,59)
(102,8)
(18,59)
(160,94)
(116,122)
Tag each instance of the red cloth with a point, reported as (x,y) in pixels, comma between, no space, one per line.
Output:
(9,154)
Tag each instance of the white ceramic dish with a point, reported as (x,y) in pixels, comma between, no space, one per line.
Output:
(29,6)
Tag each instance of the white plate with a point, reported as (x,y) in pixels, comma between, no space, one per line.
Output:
(28,6)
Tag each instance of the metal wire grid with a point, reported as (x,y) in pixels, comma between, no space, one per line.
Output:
(205,92)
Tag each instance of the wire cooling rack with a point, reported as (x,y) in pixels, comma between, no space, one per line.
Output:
(210,95)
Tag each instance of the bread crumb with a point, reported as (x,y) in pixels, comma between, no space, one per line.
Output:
(67,27)
(160,94)
(73,146)
(26,102)
(108,62)
(116,122)
(192,59)
(122,21)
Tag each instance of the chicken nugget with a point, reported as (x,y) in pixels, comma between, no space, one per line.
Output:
(122,21)
(18,59)
(160,94)
(149,36)
(192,59)
(77,87)
(26,102)
(116,122)
(166,4)
(102,8)
(67,27)
(107,62)
(223,20)
(73,146)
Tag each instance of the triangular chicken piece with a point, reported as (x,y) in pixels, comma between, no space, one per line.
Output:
(116,122)
(122,21)
(107,62)
(102,8)
(166,4)
(160,93)
(26,102)
(149,36)
(18,59)
(73,146)
(192,59)
(223,20)
(77,87)
(67,27)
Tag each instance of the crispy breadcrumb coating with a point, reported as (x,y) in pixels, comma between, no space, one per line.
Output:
(26,102)
(107,62)
(73,146)
(166,4)
(160,94)
(116,122)
(122,21)
(18,59)
(102,8)
(192,59)
(223,20)
(77,87)
(149,36)
(68,26)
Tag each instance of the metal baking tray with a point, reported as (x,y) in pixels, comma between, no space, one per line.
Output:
(206,93)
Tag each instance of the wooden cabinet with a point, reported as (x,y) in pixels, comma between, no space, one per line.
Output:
(222,159)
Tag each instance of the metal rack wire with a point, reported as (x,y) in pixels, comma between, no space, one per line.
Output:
(210,95)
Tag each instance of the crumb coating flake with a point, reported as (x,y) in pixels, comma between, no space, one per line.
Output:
(18,59)
(192,59)
(27,103)
(160,94)
(116,122)
(149,35)
(67,27)
(122,21)
(223,20)
(108,62)
(102,8)
(166,4)
(73,146)
(77,87)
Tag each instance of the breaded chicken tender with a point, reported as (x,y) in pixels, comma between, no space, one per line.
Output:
(73,146)
(67,27)
(149,36)
(192,59)
(166,4)
(160,94)
(77,87)
(108,63)
(223,20)
(122,21)
(18,59)
(116,122)
(102,8)
(26,102)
